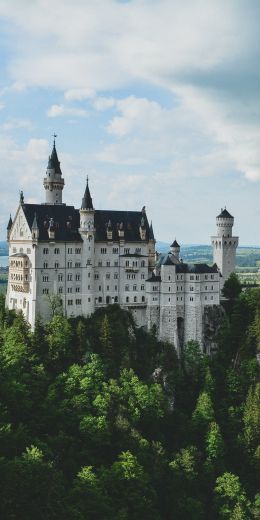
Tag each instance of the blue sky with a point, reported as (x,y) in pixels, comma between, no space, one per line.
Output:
(157,101)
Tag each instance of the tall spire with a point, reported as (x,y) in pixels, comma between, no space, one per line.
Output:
(54,163)
(151,233)
(87,199)
(10,223)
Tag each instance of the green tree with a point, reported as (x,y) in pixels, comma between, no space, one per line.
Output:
(230,498)
(251,418)
(232,287)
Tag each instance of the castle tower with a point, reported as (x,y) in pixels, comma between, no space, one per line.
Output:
(87,233)
(224,245)
(175,249)
(53,181)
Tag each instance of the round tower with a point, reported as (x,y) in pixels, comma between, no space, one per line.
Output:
(87,232)
(224,245)
(175,249)
(53,181)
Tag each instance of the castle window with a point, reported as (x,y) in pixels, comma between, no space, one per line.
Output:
(108,263)
(212,288)
(99,288)
(142,263)
(115,276)
(128,276)
(115,250)
(88,275)
(191,299)
(169,278)
(127,288)
(135,299)
(126,250)
(45,278)
(169,299)
(206,276)
(107,287)
(134,287)
(60,290)
(212,297)
(133,276)
(116,299)
(191,288)
(206,287)
(78,302)
(116,263)
(78,250)
(96,276)
(108,276)
(107,299)
(45,291)
(56,251)
(77,277)
(177,298)
(100,299)
(70,302)
(100,263)
(88,261)
(56,265)
(143,298)
(69,290)
(89,299)
(206,297)
(77,289)
(127,263)
(77,264)
(127,299)
(28,251)
(155,288)
(142,287)
(69,277)
(212,276)
(115,287)
(103,250)
(142,276)
(197,277)
(69,265)
(45,251)
(69,250)
(169,289)
(191,277)
(45,265)
(60,277)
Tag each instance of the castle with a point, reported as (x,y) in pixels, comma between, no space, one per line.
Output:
(91,258)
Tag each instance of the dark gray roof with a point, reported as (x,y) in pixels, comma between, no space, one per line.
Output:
(196,268)
(175,244)
(67,222)
(224,214)
(154,278)
(54,161)
(129,221)
(65,219)
(87,200)
(167,260)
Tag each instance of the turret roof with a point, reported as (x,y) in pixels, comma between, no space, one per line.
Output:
(10,223)
(54,162)
(151,233)
(224,214)
(87,199)
(175,244)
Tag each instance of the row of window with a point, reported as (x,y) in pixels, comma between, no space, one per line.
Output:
(28,250)
(45,277)
(57,250)
(127,288)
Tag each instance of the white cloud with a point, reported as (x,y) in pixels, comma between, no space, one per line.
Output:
(62,110)
(103,103)
(13,123)
(78,94)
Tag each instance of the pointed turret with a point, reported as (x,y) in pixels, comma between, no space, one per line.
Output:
(9,227)
(53,181)
(151,233)
(54,163)
(35,228)
(87,199)
(175,249)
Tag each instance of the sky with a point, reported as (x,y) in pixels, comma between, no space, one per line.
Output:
(157,101)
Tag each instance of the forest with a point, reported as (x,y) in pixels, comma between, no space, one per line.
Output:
(100,420)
